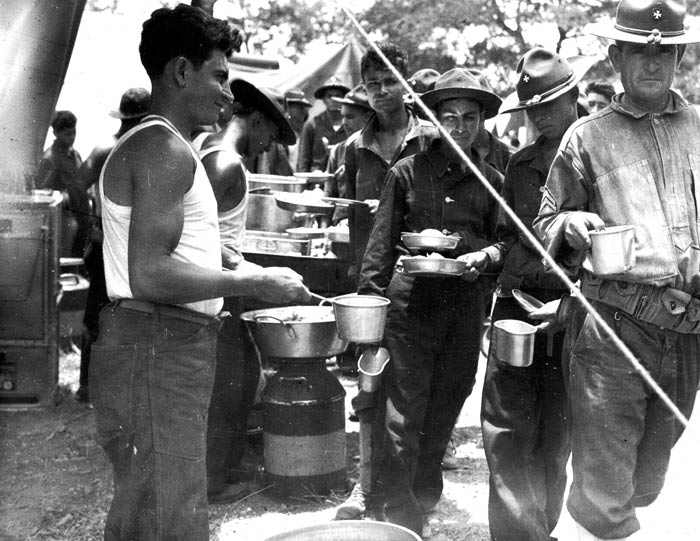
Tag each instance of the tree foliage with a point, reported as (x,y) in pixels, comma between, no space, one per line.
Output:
(490,35)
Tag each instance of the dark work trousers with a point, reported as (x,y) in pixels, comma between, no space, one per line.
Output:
(96,300)
(524,422)
(622,433)
(235,383)
(150,381)
(432,332)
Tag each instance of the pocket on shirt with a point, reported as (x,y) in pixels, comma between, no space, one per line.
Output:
(654,243)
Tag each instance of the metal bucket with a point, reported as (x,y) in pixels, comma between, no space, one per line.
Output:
(348,530)
(360,318)
(513,342)
(304,429)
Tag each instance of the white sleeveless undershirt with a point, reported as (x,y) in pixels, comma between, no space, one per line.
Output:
(199,241)
(232,222)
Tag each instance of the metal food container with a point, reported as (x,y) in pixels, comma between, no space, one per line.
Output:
(267,242)
(300,203)
(435,243)
(264,215)
(295,332)
(432,266)
(277,183)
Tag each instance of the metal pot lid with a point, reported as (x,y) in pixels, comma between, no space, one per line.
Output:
(300,203)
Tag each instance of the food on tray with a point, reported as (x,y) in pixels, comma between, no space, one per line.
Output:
(431,232)
(435,255)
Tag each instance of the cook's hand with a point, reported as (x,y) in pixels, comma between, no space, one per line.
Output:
(578,224)
(373,205)
(282,285)
(475,264)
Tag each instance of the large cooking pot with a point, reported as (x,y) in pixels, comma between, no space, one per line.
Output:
(295,332)
(277,183)
(264,215)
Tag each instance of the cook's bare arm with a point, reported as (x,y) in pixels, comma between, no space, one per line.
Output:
(156,225)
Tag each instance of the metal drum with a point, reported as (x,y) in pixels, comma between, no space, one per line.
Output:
(304,428)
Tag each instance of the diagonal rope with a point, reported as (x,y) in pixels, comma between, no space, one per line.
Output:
(530,237)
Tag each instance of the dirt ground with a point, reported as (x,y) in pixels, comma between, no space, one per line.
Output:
(56,482)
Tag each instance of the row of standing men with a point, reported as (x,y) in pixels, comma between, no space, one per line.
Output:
(165,296)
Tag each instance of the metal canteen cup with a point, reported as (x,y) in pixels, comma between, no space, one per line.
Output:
(612,249)
(370,366)
(513,342)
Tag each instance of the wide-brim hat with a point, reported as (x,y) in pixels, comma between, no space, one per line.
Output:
(647,21)
(357,97)
(296,95)
(266,103)
(459,83)
(331,84)
(544,76)
(423,80)
(133,104)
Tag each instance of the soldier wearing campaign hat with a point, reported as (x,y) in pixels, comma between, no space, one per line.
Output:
(523,412)
(433,326)
(355,111)
(323,130)
(634,163)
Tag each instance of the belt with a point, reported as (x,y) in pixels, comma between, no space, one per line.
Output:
(165,310)
(662,306)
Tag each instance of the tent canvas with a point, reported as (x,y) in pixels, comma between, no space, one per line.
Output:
(342,61)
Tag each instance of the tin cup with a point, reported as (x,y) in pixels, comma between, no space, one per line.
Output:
(612,249)
(513,342)
(370,366)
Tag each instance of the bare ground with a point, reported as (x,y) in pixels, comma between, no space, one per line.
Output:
(56,483)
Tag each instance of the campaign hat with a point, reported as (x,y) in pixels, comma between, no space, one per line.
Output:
(357,97)
(543,76)
(647,21)
(262,100)
(296,95)
(133,104)
(423,80)
(332,83)
(460,83)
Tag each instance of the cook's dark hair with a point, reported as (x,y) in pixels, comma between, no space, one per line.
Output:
(395,55)
(184,31)
(63,120)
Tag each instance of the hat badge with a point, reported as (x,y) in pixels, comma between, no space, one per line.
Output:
(526,78)
(657,14)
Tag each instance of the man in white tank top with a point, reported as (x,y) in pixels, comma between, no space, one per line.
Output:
(153,364)
(257,123)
